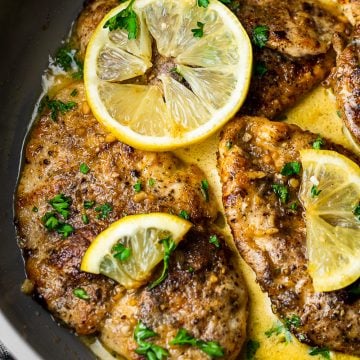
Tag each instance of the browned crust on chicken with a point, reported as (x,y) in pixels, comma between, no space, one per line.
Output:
(202,294)
(272,238)
(346,83)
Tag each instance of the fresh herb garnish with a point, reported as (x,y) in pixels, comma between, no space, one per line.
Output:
(260,35)
(281,192)
(88,204)
(278,329)
(205,189)
(318,143)
(198,32)
(104,211)
(74,93)
(356,211)
(315,191)
(137,186)
(150,350)
(260,69)
(81,294)
(252,347)
(151,182)
(84,169)
(324,352)
(56,106)
(66,58)
(293,321)
(52,223)
(291,168)
(61,204)
(338,113)
(214,240)
(64,229)
(126,19)
(85,219)
(294,206)
(169,247)
(211,348)
(121,252)
(203,3)
(35,209)
(184,214)
(190,269)
(229,144)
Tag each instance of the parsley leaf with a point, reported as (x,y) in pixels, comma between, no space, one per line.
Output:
(52,223)
(324,352)
(229,144)
(294,206)
(125,19)
(137,186)
(278,329)
(84,169)
(260,69)
(81,294)
(315,191)
(203,3)
(211,348)
(121,252)
(151,182)
(104,211)
(184,214)
(66,58)
(251,348)
(169,247)
(74,93)
(293,321)
(214,240)
(291,168)
(356,211)
(61,204)
(318,143)
(56,106)
(88,204)
(150,350)
(85,219)
(199,32)
(35,209)
(204,186)
(260,35)
(281,192)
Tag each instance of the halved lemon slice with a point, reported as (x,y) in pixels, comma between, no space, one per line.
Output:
(330,193)
(186,73)
(129,249)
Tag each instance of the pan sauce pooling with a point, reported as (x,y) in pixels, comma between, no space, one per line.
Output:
(319,106)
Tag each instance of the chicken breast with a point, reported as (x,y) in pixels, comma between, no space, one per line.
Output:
(210,301)
(271,237)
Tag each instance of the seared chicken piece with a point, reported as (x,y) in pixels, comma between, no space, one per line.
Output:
(272,238)
(351,9)
(211,301)
(202,294)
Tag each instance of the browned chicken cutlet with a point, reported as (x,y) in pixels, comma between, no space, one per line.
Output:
(56,149)
(271,237)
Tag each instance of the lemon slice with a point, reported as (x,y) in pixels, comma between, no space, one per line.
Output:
(168,88)
(330,193)
(140,237)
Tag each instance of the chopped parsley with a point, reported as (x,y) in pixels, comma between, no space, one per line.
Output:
(137,186)
(278,329)
(121,252)
(84,169)
(294,206)
(318,143)
(198,32)
(184,214)
(252,347)
(260,35)
(338,113)
(74,93)
(315,191)
(203,3)
(212,348)
(260,69)
(56,106)
(88,204)
(61,204)
(85,219)
(52,223)
(214,240)
(104,211)
(67,60)
(190,269)
(291,168)
(81,294)
(282,192)
(324,352)
(356,211)
(150,350)
(126,19)
(293,321)
(169,247)
(35,209)
(151,182)
(229,144)
(204,186)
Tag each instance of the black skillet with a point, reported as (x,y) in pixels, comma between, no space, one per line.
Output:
(30,30)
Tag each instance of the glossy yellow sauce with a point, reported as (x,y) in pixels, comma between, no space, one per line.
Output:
(317,113)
